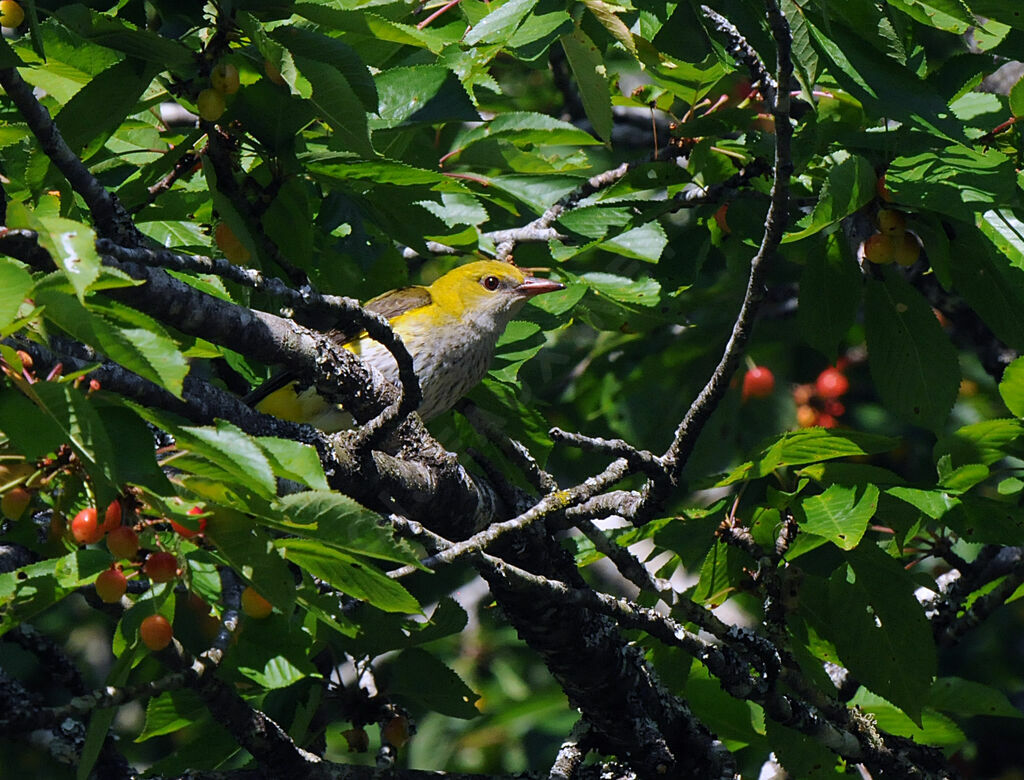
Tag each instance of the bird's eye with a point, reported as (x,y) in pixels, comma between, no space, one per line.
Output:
(490,283)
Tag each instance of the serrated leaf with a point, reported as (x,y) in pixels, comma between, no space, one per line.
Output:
(499,25)
(1017,98)
(991,281)
(171,711)
(418,675)
(645,242)
(338,104)
(343,523)
(591,74)
(882,85)
(250,551)
(880,629)
(1011,387)
(932,729)
(1006,232)
(951,15)
(232,450)
(273,655)
(525,127)
(966,697)
(349,575)
(841,514)
(913,364)
(849,184)
(28,590)
(117,89)
(829,298)
(295,461)
(958,180)
(72,246)
(608,15)
(15,283)
(335,53)
(141,344)
(115,34)
(421,93)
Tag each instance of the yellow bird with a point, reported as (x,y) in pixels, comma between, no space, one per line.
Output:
(449,327)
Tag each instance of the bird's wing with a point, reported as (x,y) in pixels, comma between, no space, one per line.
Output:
(388,305)
(395,302)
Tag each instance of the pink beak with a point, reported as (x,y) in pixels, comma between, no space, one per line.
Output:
(533,285)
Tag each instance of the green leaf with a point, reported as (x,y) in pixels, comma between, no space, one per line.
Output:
(81,427)
(273,655)
(989,281)
(114,34)
(117,89)
(421,93)
(29,590)
(102,718)
(849,185)
(931,729)
(338,104)
(499,25)
(249,550)
(799,756)
(171,711)
(805,58)
(965,697)
(1011,387)
(72,246)
(335,53)
(608,15)
(882,85)
(841,514)
(343,523)
(809,445)
(880,629)
(913,364)
(1017,98)
(1006,232)
(419,676)
(15,283)
(141,344)
(125,335)
(720,574)
(951,15)
(295,461)
(592,77)
(229,448)
(346,573)
(646,243)
(830,295)
(523,128)
(958,181)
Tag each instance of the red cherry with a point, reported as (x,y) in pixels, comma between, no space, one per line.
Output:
(827,421)
(111,585)
(155,632)
(832,383)
(160,567)
(758,382)
(187,532)
(123,542)
(112,517)
(85,527)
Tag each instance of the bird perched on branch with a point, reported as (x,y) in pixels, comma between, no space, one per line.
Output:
(450,329)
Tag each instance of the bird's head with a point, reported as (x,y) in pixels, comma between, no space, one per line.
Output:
(488,293)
